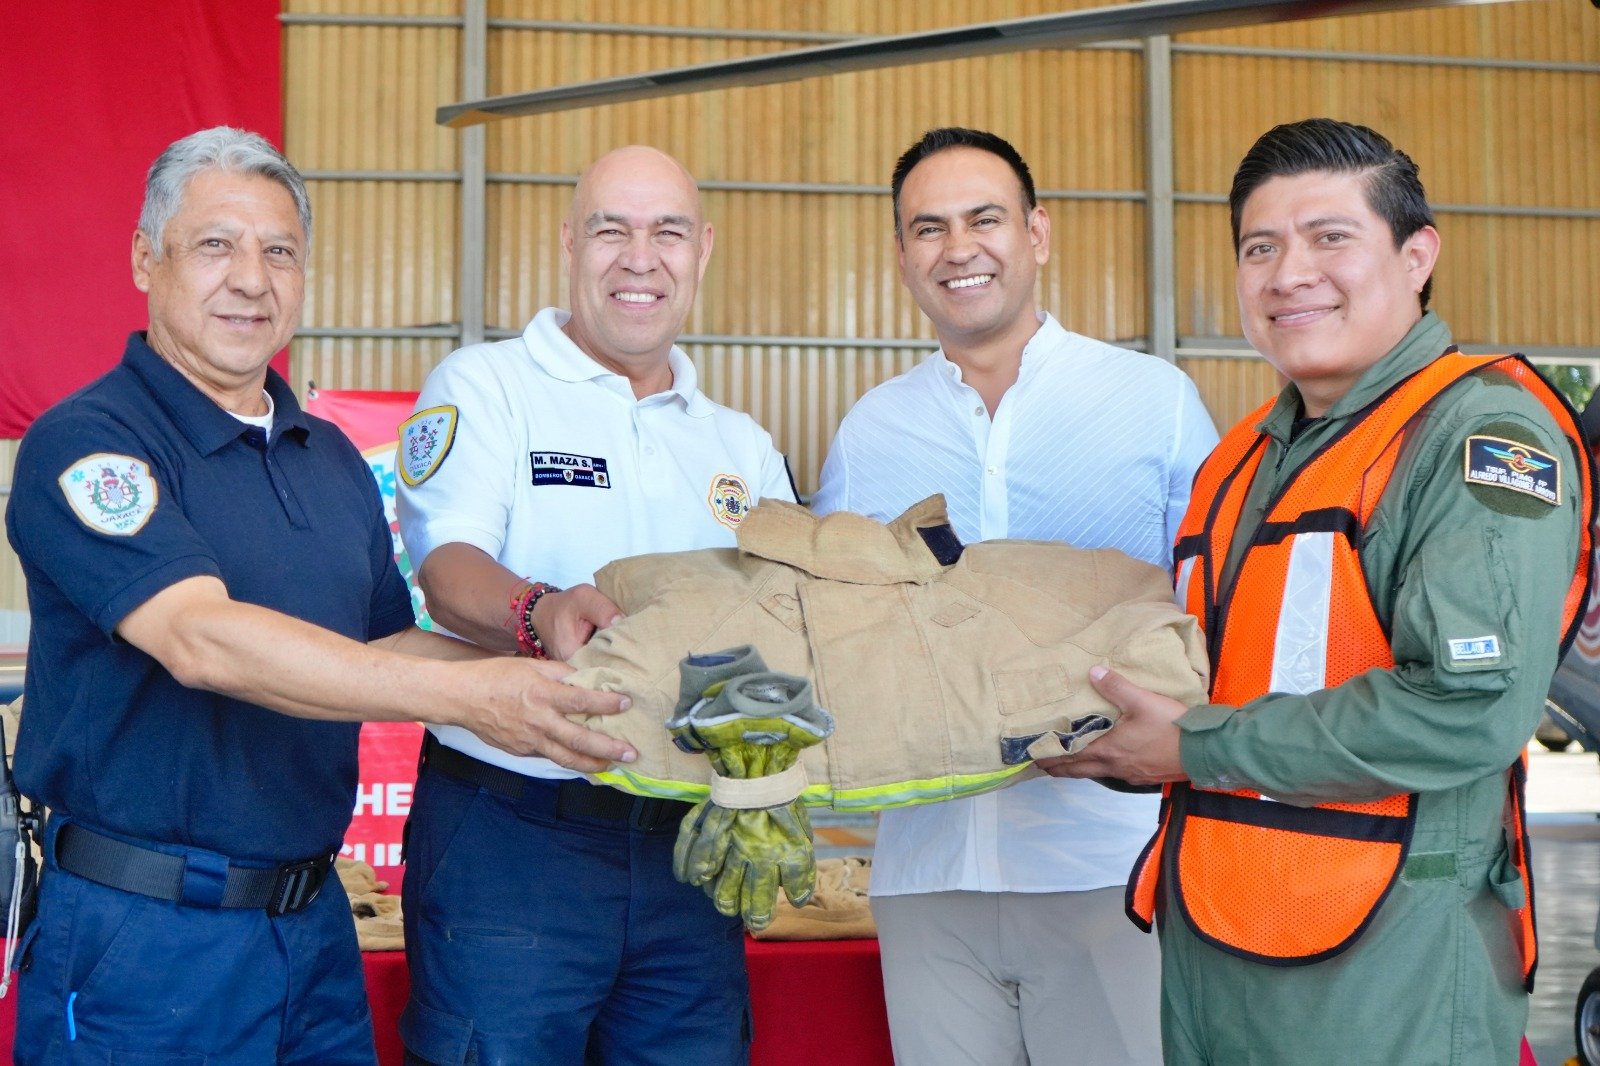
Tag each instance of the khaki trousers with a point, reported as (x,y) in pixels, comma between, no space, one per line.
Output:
(1018,978)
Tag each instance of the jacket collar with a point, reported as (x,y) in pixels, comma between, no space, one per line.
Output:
(915,548)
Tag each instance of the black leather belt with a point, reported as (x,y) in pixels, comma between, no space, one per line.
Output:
(572,798)
(130,867)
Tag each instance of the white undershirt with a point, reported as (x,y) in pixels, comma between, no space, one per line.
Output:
(264,422)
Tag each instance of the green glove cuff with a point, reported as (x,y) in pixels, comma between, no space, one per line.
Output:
(697,673)
(765,708)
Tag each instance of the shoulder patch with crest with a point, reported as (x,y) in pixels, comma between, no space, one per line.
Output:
(111,493)
(1507,464)
(425,440)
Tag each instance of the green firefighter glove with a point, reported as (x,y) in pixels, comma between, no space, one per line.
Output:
(703,842)
(767,848)
(753,834)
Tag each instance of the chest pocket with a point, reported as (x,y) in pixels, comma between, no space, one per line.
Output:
(875,671)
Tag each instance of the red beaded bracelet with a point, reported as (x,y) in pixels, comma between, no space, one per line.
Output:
(524,598)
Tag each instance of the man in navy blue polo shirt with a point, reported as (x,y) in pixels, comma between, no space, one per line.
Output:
(215,608)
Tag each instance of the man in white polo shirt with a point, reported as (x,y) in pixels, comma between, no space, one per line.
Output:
(543,923)
(1001,917)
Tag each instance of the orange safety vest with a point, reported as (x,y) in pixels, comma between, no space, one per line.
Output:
(1269,881)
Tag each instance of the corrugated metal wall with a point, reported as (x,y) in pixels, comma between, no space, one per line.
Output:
(819,264)
(813,270)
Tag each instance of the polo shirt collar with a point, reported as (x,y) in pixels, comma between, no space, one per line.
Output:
(206,425)
(553,351)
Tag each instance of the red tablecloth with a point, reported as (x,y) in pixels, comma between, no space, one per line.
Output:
(813,1001)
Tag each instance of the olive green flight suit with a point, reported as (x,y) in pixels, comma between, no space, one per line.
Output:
(1436,977)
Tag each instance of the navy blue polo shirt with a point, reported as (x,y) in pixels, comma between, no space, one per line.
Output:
(130,485)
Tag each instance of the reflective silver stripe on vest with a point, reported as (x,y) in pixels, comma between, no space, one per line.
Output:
(1185,575)
(1300,652)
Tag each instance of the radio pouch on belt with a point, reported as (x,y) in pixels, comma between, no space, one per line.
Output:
(19,870)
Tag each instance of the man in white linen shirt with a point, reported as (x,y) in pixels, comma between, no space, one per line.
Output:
(1000,917)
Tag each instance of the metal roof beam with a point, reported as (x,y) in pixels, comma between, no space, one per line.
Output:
(1070,29)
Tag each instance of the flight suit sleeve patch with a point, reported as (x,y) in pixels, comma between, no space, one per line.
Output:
(110,493)
(1502,463)
(1463,650)
(1456,620)
(425,440)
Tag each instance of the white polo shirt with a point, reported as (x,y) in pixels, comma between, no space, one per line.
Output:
(1095,446)
(534,453)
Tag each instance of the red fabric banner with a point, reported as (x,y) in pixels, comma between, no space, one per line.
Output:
(388,749)
(369,417)
(94,90)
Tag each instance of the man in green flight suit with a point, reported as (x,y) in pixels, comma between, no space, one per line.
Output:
(1387,561)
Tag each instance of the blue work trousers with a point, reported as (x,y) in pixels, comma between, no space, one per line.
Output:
(115,977)
(536,938)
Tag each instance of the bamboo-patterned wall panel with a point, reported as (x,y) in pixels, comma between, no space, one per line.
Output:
(1232,387)
(818,130)
(385,254)
(1553,32)
(363,97)
(815,16)
(1492,149)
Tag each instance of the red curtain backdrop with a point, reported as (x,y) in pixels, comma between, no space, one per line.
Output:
(94,89)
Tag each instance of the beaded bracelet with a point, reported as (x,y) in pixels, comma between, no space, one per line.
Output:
(524,598)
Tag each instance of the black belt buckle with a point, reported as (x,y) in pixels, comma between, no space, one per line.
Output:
(298,884)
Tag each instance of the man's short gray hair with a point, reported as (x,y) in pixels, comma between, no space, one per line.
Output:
(221,147)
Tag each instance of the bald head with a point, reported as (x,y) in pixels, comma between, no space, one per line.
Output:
(624,173)
(636,245)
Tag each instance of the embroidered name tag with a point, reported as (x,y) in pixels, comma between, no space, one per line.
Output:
(1507,464)
(564,468)
(1474,649)
(110,493)
(425,440)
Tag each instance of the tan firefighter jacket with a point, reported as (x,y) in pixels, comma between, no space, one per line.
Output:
(947,667)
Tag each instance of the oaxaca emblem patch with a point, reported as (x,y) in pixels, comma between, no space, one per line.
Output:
(111,493)
(425,440)
(564,468)
(729,499)
(1508,464)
